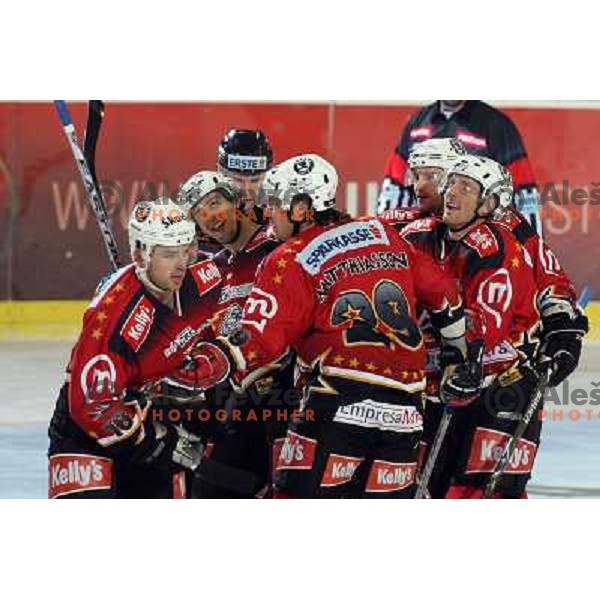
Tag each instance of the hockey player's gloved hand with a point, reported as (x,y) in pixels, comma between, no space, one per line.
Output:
(207,365)
(562,344)
(462,376)
(175,448)
(389,198)
(165,447)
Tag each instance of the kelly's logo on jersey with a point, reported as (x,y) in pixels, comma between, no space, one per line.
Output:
(345,238)
(136,328)
(206,274)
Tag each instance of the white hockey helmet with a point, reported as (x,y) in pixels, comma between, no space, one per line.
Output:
(203,183)
(159,222)
(436,152)
(306,174)
(491,175)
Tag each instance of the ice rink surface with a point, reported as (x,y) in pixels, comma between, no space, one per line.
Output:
(568,463)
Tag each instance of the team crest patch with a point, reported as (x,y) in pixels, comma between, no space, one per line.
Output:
(483,241)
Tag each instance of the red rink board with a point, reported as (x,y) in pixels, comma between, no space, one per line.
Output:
(56,250)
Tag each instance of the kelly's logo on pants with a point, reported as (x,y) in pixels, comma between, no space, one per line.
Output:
(73,473)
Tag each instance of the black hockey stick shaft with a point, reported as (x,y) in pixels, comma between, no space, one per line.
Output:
(438,440)
(511,444)
(538,394)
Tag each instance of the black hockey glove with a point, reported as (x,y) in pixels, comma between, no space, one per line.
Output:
(563,337)
(462,376)
(168,448)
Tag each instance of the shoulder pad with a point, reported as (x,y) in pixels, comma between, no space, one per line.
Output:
(482,240)
(110,282)
(426,224)
(137,325)
(206,275)
(507,218)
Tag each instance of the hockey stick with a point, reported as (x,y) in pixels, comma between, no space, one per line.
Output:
(538,395)
(509,448)
(93,194)
(92,133)
(438,440)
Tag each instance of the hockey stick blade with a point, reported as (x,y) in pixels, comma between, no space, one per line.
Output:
(92,134)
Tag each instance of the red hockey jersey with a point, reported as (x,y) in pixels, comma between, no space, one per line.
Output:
(496,278)
(129,338)
(344,297)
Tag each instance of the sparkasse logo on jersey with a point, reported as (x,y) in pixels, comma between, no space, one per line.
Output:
(351,236)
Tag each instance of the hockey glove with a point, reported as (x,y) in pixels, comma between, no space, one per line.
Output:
(169,448)
(563,337)
(207,365)
(462,377)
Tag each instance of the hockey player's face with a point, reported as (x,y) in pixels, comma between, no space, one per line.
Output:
(426,181)
(461,201)
(168,264)
(217,218)
(248,185)
(283,226)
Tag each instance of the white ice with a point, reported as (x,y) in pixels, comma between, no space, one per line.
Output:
(568,463)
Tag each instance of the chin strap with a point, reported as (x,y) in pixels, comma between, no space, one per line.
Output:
(236,235)
(469,223)
(153,288)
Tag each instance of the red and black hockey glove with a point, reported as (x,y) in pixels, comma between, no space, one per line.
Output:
(207,365)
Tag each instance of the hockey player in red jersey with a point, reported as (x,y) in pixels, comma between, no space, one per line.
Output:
(342,293)
(240,462)
(428,162)
(427,165)
(498,281)
(104,441)
(484,131)
(565,325)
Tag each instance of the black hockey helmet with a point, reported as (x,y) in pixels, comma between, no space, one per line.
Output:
(245,151)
